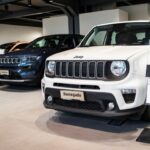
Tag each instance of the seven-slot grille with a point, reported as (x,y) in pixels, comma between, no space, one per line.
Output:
(9,60)
(80,69)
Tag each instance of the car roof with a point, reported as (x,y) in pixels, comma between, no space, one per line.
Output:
(20,42)
(123,22)
(61,35)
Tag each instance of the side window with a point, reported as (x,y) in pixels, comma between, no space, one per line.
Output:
(40,44)
(52,43)
(68,43)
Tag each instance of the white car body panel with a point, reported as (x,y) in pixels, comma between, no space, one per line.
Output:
(148,93)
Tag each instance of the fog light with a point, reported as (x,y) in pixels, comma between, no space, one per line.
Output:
(128,91)
(49,99)
(111,106)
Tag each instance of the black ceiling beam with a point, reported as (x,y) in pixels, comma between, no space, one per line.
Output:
(91,2)
(25,5)
(45,15)
(24,13)
(74,4)
(3,2)
(23,22)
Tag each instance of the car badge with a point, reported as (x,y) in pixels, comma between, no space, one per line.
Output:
(78,57)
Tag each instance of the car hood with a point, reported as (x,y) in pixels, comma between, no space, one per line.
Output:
(100,53)
(25,52)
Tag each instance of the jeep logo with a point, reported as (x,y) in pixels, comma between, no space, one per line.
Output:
(78,57)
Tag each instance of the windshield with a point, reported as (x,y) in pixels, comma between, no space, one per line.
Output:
(19,47)
(118,34)
(46,42)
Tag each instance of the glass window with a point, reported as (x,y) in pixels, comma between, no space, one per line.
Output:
(7,46)
(140,35)
(118,34)
(78,39)
(68,43)
(97,38)
(20,46)
(113,38)
(39,44)
(46,42)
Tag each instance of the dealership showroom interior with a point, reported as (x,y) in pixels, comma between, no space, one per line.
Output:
(74,74)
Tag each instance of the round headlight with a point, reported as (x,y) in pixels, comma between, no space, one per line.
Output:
(51,68)
(118,68)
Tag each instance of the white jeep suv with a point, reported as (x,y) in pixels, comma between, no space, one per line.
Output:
(106,75)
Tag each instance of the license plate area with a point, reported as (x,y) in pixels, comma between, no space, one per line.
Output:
(72,95)
(4,72)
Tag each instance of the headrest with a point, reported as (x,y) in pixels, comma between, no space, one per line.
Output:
(125,38)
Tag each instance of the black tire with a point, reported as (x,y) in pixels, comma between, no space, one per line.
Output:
(146,115)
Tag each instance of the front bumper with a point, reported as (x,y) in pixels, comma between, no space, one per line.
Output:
(19,75)
(100,91)
(95,104)
(14,81)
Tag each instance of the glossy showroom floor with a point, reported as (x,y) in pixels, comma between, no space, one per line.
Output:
(26,125)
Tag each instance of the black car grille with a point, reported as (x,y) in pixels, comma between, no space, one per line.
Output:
(9,60)
(95,106)
(80,69)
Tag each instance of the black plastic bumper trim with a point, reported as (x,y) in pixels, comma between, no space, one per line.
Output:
(148,71)
(95,113)
(90,97)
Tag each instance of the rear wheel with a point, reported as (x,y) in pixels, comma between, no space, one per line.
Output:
(146,115)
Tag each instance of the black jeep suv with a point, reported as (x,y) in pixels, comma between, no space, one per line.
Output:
(27,66)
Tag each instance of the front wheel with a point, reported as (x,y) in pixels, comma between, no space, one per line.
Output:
(146,115)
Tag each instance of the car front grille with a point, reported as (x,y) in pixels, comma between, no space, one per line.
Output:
(80,69)
(95,106)
(9,60)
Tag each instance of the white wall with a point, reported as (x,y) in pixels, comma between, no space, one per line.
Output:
(89,20)
(55,25)
(138,12)
(59,24)
(11,33)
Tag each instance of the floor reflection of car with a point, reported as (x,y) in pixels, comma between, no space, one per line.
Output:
(27,66)
(12,46)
